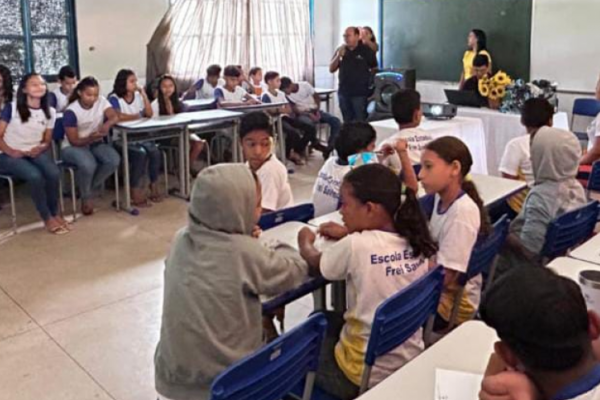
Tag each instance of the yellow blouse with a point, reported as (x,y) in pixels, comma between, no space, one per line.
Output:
(468,62)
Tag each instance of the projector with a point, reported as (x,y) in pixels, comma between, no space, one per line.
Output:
(439,111)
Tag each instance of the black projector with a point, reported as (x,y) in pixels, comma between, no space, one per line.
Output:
(439,111)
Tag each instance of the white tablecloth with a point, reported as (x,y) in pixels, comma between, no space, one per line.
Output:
(469,130)
(500,129)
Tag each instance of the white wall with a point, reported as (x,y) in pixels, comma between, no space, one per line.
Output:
(113,34)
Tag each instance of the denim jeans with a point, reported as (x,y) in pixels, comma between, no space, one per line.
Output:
(143,157)
(334,124)
(354,108)
(95,163)
(42,176)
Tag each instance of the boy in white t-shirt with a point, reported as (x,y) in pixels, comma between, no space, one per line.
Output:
(59,97)
(232,94)
(204,88)
(256,134)
(406,110)
(516,161)
(383,248)
(593,131)
(548,338)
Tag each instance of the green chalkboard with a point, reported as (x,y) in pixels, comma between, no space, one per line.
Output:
(431,35)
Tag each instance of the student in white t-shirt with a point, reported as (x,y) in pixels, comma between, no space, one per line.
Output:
(131,103)
(298,134)
(232,94)
(87,121)
(59,97)
(548,339)
(204,88)
(256,135)
(406,109)
(383,248)
(593,131)
(516,161)
(6,86)
(25,140)
(456,218)
(306,104)
(257,86)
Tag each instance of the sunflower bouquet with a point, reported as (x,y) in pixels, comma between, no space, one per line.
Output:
(494,88)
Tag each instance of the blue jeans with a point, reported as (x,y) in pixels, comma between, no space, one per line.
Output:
(95,163)
(142,157)
(42,176)
(334,124)
(354,108)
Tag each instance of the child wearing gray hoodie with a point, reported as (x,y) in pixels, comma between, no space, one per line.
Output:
(214,276)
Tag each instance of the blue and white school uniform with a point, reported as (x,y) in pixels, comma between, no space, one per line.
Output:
(204,90)
(237,96)
(585,388)
(95,162)
(58,100)
(326,192)
(41,172)
(139,154)
(271,98)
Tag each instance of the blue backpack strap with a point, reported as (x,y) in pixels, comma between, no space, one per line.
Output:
(427,204)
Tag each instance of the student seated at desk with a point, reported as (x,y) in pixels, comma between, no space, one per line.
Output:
(232,94)
(168,103)
(555,158)
(516,161)
(548,339)
(481,69)
(457,217)
(256,134)
(306,104)
(406,109)
(25,140)
(257,87)
(59,97)
(87,121)
(378,224)
(355,138)
(205,88)
(298,134)
(214,276)
(131,103)
(593,131)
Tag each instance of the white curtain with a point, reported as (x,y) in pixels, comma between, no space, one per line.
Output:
(272,34)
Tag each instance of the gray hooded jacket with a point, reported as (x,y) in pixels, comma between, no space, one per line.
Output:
(555,155)
(214,275)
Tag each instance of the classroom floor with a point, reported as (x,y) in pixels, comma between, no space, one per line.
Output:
(80,314)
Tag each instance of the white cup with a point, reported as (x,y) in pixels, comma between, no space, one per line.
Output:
(589,280)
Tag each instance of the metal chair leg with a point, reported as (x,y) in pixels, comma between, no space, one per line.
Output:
(60,195)
(13,207)
(73,194)
(166,169)
(117,194)
(208,154)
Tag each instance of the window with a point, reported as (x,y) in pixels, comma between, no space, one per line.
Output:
(37,35)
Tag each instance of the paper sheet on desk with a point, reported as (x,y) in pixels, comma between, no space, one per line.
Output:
(455,385)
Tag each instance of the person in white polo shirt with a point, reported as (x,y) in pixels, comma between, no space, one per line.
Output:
(59,97)
(593,153)
(87,121)
(25,140)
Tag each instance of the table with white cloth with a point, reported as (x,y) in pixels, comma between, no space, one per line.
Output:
(469,130)
(501,128)
(466,349)
(589,251)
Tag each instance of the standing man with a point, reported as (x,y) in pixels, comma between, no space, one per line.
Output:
(356,63)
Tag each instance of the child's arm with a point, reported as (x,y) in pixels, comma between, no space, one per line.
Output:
(410,178)
(147,104)
(306,243)
(333,231)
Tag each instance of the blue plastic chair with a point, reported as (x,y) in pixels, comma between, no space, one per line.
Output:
(593,184)
(399,317)
(483,261)
(589,108)
(300,213)
(272,372)
(569,230)
(13,207)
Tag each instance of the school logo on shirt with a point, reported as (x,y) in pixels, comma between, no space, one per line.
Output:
(396,262)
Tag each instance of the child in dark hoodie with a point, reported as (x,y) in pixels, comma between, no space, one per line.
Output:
(214,275)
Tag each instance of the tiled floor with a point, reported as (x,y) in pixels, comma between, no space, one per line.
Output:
(80,314)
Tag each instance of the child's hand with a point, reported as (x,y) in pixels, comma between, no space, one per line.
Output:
(306,235)
(333,231)
(508,386)
(401,146)
(256,231)
(387,150)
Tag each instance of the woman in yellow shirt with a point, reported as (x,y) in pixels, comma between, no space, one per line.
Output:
(477,43)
